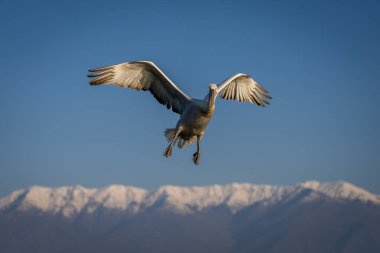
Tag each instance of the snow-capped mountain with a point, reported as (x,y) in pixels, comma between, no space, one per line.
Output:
(69,201)
(306,217)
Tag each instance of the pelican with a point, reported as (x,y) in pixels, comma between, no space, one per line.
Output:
(195,114)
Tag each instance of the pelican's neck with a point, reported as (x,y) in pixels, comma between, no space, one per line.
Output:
(211,100)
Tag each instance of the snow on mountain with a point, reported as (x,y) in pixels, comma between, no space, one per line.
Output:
(73,200)
(235,196)
(341,190)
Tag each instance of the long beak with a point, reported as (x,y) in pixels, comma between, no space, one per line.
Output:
(211,97)
(214,95)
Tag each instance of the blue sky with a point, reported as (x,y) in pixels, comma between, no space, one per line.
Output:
(318,59)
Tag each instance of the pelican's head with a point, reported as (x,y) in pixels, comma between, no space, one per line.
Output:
(212,86)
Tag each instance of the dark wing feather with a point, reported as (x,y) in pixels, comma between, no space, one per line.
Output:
(142,75)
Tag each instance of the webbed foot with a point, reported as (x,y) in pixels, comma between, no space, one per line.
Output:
(168,151)
(196,157)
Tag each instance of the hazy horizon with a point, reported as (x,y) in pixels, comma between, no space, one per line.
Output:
(190,186)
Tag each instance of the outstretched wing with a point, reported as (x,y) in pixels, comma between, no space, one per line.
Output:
(142,75)
(243,88)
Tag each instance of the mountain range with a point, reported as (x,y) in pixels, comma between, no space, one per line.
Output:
(237,217)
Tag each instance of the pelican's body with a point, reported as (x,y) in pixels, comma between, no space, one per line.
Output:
(195,118)
(195,113)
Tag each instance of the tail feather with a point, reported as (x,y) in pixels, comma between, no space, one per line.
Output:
(170,134)
(182,143)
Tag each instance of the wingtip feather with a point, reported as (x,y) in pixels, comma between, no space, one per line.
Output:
(102,79)
(100,69)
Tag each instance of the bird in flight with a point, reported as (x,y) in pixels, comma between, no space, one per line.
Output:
(195,114)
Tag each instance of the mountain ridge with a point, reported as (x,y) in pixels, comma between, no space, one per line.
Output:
(307,217)
(72,200)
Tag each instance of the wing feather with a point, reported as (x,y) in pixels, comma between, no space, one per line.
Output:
(142,75)
(243,88)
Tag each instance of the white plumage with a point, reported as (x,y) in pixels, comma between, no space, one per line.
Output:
(195,113)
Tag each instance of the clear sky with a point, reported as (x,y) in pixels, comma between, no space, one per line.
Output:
(318,59)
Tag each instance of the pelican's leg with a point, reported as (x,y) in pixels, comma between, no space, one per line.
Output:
(168,150)
(197,154)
